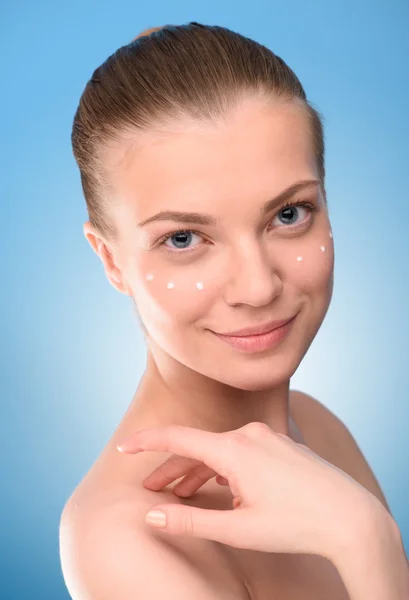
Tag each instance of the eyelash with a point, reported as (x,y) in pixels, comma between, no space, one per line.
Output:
(304,203)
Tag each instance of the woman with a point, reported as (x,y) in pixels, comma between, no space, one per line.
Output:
(202,165)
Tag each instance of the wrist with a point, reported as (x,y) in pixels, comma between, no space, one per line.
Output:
(371,558)
(365,523)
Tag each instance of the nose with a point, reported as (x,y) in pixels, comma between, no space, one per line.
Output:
(252,278)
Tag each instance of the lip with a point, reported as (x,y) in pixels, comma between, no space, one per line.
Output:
(260,342)
(257,329)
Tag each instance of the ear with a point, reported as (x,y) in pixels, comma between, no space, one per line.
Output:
(105,253)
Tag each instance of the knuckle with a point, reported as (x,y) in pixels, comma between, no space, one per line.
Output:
(258,428)
(237,451)
(172,432)
(188,523)
(235,440)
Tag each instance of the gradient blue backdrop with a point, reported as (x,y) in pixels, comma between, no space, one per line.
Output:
(72,353)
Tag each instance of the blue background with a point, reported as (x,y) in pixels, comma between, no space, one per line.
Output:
(72,353)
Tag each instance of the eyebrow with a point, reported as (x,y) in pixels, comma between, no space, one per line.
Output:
(204,219)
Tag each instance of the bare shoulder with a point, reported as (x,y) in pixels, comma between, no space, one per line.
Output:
(330,438)
(106,553)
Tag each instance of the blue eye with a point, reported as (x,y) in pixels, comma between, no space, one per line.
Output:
(291,208)
(181,238)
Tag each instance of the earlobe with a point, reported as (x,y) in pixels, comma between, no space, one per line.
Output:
(116,281)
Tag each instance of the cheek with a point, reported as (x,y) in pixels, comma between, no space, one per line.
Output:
(183,293)
(312,267)
(180,293)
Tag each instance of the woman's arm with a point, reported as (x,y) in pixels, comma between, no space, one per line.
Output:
(372,563)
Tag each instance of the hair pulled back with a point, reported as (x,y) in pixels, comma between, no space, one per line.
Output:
(175,71)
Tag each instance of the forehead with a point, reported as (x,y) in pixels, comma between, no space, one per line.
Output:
(256,149)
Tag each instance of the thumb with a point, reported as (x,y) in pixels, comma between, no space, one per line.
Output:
(178,519)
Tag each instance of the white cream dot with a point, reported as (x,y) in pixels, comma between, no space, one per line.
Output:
(171,285)
(199,285)
(149,277)
(322,248)
(299,258)
(330,234)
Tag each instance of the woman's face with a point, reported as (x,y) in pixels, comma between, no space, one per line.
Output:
(240,261)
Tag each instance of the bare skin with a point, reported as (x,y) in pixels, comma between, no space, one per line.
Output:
(247,262)
(248,266)
(113,487)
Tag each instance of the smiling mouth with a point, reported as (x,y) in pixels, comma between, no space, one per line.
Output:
(259,342)
(257,329)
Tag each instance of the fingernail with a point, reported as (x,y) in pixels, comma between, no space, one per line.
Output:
(156,518)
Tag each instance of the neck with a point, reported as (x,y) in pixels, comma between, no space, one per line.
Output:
(171,393)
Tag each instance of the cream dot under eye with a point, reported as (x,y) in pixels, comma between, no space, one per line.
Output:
(199,284)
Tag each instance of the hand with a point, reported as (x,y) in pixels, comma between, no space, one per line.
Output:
(285,497)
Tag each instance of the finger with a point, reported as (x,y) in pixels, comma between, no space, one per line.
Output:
(194,481)
(221,526)
(213,449)
(236,502)
(173,468)
(222,480)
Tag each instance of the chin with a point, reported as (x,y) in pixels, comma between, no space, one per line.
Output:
(254,385)
(255,376)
